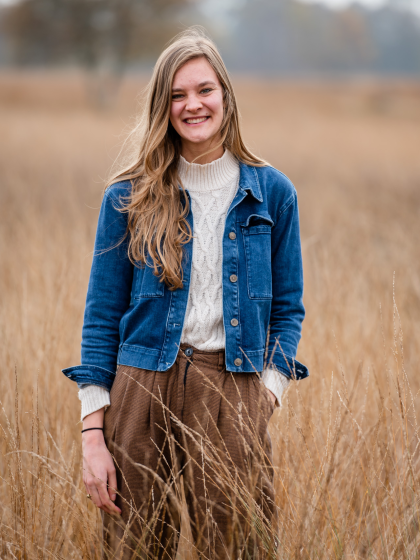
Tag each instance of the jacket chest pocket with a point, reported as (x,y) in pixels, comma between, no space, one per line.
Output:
(146,284)
(256,233)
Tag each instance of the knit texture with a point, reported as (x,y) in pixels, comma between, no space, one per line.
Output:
(212,187)
(93,398)
(276,381)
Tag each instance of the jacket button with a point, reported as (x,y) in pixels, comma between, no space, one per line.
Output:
(234,322)
(232,235)
(238,362)
(233,277)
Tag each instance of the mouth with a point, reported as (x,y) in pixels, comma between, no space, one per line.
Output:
(195,120)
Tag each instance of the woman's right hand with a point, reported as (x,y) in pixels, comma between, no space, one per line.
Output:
(99,474)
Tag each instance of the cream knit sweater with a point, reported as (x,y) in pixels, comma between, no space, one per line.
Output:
(212,188)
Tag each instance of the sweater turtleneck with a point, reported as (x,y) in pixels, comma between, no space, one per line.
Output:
(209,176)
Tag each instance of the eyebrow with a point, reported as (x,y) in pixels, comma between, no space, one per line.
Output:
(201,84)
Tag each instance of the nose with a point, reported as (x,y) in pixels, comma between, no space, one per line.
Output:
(193,103)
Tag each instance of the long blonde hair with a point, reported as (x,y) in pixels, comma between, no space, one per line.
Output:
(157,224)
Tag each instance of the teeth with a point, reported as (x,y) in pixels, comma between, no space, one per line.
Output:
(193,121)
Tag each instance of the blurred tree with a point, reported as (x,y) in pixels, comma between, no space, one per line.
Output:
(100,35)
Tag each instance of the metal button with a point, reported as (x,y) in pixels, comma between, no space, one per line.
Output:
(188,352)
(234,322)
(232,235)
(233,277)
(238,362)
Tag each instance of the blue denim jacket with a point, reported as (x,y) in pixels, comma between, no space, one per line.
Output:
(133,319)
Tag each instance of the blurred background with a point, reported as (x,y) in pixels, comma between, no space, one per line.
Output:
(329,93)
(263,37)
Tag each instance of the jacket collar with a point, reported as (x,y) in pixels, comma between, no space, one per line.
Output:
(248,180)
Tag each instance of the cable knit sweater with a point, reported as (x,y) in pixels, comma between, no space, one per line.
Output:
(212,187)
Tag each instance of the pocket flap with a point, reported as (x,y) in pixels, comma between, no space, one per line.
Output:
(262,219)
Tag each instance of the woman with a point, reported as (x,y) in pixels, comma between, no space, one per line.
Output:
(197,265)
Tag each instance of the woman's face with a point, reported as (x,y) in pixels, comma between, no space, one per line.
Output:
(197,104)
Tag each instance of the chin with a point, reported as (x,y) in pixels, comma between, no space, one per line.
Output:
(198,139)
(195,140)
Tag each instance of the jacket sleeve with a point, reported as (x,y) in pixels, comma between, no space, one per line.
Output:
(108,296)
(287,310)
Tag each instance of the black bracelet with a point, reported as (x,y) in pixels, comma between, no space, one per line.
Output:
(87,429)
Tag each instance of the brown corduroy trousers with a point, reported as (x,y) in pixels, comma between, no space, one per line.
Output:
(200,430)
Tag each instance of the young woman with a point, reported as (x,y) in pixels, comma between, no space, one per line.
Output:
(196,281)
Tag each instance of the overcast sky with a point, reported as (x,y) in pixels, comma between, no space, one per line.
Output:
(340,3)
(221,6)
(415,4)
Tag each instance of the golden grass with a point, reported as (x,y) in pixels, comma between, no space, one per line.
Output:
(346,440)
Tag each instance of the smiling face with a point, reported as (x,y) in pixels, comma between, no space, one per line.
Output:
(197,108)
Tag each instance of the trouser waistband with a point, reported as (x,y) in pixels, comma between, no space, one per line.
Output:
(211,357)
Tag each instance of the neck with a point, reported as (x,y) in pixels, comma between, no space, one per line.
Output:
(193,152)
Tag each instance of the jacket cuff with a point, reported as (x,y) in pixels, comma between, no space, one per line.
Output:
(90,375)
(93,398)
(276,381)
(288,366)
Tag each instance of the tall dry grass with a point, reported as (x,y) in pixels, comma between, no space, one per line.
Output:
(346,441)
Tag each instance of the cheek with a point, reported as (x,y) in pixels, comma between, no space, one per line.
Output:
(216,106)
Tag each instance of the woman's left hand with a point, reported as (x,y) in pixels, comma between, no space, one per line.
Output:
(272,396)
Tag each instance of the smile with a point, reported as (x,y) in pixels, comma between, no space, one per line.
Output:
(196,120)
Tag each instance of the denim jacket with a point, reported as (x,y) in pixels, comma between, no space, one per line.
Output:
(132,318)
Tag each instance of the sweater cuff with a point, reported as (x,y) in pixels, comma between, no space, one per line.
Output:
(276,381)
(93,398)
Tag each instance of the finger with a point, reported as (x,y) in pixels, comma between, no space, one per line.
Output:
(114,511)
(94,494)
(109,511)
(97,500)
(104,496)
(112,484)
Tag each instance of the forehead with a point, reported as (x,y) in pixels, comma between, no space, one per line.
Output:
(194,72)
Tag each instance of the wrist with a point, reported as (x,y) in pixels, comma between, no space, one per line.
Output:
(93,436)
(94,420)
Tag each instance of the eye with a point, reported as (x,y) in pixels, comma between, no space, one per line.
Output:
(176,95)
(206,90)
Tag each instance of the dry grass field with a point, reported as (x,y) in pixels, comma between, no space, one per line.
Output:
(346,441)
